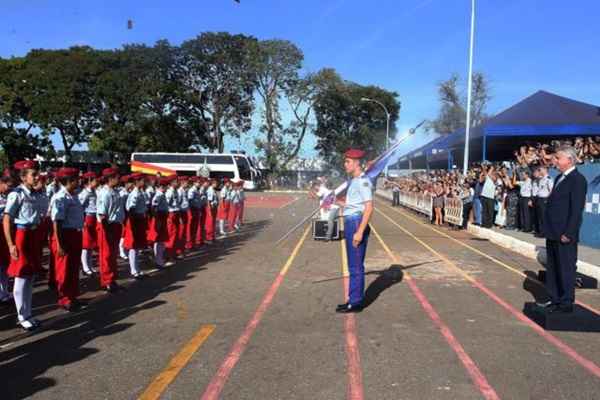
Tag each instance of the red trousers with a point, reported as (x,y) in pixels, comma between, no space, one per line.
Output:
(210,224)
(200,232)
(223,210)
(172,231)
(135,232)
(29,261)
(157,228)
(66,275)
(193,216)
(182,232)
(108,249)
(90,233)
(233,215)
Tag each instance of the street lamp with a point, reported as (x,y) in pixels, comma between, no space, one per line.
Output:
(387,129)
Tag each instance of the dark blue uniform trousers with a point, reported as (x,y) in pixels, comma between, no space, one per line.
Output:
(561,270)
(356,258)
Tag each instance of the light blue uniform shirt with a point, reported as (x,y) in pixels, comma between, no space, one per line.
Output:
(67,208)
(172,200)
(545,186)
(184,203)
(88,199)
(136,202)
(110,205)
(159,202)
(193,196)
(489,188)
(52,189)
(211,196)
(224,195)
(360,191)
(22,206)
(234,196)
(526,188)
(150,192)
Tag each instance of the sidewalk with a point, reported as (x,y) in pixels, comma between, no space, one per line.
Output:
(529,246)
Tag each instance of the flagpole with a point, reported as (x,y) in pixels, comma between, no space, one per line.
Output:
(468,122)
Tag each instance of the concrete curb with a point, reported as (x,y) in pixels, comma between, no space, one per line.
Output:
(522,247)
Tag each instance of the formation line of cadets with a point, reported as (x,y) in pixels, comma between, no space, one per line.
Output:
(76,215)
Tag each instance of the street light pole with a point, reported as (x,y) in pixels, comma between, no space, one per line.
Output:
(469,87)
(387,128)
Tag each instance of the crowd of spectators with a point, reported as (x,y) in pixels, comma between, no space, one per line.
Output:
(508,195)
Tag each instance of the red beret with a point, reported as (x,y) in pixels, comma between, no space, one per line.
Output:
(354,154)
(136,176)
(6,172)
(67,173)
(164,181)
(42,178)
(225,180)
(25,164)
(108,172)
(125,179)
(90,175)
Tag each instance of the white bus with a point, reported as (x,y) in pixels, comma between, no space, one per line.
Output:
(234,166)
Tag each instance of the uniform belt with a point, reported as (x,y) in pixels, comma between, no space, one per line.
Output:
(26,227)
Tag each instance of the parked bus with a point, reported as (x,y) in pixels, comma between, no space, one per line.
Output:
(234,166)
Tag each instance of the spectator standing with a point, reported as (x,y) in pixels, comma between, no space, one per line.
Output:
(488,193)
(525,202)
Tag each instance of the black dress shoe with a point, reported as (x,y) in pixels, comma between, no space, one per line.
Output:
(112,288)
(560,309)
(342,306)
(350,309)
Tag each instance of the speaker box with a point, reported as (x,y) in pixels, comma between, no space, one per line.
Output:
(320,230)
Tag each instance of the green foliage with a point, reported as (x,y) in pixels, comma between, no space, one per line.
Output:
(344,121)
(453,114)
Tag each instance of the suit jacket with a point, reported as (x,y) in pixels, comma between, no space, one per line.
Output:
(563,214)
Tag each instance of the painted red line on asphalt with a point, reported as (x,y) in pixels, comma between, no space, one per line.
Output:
(562,346)
(476,375)
(215,387)
(355,386)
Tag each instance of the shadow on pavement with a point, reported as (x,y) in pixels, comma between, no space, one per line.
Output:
(63,340)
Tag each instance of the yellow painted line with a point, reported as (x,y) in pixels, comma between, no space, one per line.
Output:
(428,247)
(290,260)
(168,375)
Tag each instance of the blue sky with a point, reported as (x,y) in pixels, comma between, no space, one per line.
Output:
(402,45)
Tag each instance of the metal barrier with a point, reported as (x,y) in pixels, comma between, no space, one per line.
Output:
(423,203)
(453,211)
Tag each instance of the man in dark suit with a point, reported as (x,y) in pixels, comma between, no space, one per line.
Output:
(562,220)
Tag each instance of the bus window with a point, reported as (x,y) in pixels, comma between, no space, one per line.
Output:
(221,174)
(243,168)
(219,159)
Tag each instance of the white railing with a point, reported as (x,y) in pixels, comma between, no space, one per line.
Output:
(423,203)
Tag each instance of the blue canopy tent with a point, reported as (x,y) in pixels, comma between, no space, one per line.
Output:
(543,115)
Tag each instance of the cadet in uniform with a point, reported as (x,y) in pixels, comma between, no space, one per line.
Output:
(173,220)
(88,199)
(5,188)
(67,216)
(223,209)
(358,208)
(212,203)
(545,185)
(194,213)
(184,206)
(158,233)
(135,227)
(110,214)
(201,231)
(126,187)
(21,221)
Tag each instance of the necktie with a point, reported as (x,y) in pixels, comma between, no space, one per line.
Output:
(559,179)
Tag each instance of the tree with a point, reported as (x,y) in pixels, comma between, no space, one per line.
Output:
(220,81)
(17,133)
(143,102)
(61,93)
(277,65)
(453,115)
(344,121)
